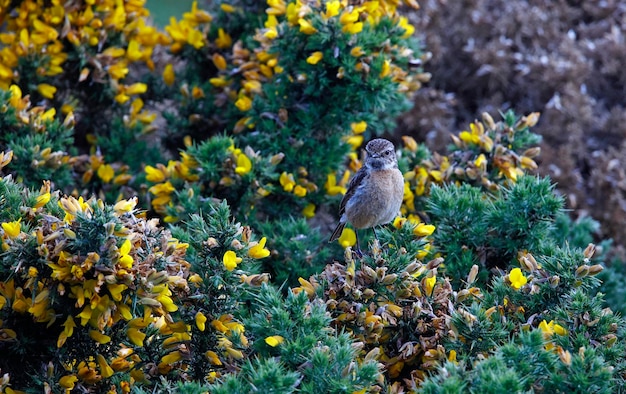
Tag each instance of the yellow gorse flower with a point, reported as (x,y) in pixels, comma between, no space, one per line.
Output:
(358,127)
(550,328)
(287,182)
(231,260)
(347,237)
(429,284)
(517,278)
(99,337)
(135,336)
(259,251)
(331,186)
(200,321)
(309,211)
(105,369)
(223,40)
(306,27)
(332,9)
(12,229)
(68,381)
(168,75)
(274,340)
(244,103)
(299,191)
(42,200)
(106,173)
(315,57)
(244,165)
(46,90)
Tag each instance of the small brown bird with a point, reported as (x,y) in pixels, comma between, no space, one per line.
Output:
(375,192)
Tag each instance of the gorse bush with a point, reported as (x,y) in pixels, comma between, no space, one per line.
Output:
(166,197)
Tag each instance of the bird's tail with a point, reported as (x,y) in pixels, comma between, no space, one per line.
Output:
(337,233)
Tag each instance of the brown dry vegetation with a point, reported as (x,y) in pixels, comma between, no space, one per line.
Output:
(563,58)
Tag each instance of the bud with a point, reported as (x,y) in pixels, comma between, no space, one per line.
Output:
(534,262)
(369,273)
(236,244)
(69,233)
(529,163)
(610,339)
(413,267)
(565,356)
(283,115)
(375,248)
(389,279)
(488,121)
(347,255)
(277,158)
(595,269)
(256,279)
(406,293)
(457,141)
(373,354)
(471,277)
(462,295)
(471,173)
(212,243)
(554,281)
(486,143)
(582,271)
(532,152)
(526,264)
(368,293)
(434,263)
(527,121)
(469,318)
(589,251)
(532,119)
(409,143)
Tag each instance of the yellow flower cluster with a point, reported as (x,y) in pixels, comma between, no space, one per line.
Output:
(49,31)
(102,291)
(36,118)
(237,164)
(241,72)
(299,188)
(176,171)
(495,154)
(492,162)
(191,30)
(94,168)
(353,17)
(252,67)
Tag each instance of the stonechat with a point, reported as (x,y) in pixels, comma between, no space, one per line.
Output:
(375,192)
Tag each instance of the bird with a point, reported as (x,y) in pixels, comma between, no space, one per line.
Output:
(374,193)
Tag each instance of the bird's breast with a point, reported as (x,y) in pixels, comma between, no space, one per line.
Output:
(377,200)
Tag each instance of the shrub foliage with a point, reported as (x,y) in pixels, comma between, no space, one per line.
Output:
(164,207)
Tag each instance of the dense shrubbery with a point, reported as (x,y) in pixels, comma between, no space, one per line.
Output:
(164,207)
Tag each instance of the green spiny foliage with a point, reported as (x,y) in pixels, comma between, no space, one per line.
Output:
(491,229)
(295,346)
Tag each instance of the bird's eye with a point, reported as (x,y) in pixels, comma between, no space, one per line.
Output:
(387,152)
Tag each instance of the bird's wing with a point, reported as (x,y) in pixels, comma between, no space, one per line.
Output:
(354,184)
